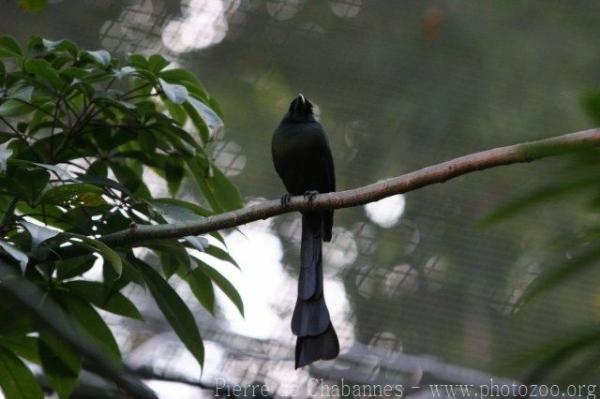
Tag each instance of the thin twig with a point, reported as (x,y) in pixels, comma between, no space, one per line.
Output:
(56,120)
(53,128)
(23,138)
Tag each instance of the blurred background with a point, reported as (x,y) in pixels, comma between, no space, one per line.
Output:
(418,292)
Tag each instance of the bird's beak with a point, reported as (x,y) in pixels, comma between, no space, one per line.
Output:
(302,99)
(299,104)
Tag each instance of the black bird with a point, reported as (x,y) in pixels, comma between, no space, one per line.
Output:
(303,160)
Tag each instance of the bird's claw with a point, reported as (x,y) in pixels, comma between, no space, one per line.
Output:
(285,200)
(310,195)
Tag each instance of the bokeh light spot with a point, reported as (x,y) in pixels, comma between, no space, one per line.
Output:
(386,212)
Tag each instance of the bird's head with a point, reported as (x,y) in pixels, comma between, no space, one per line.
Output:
(301,110)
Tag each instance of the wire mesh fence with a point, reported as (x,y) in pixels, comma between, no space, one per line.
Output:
(418,292)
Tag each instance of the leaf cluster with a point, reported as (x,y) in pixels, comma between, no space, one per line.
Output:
(80,132)
(576,183)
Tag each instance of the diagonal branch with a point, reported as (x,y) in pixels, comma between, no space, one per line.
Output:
(27,297)
(519,153)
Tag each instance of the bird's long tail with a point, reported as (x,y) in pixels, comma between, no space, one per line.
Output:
(311,323)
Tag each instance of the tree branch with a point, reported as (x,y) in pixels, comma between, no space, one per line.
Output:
(519,153)
(29,298)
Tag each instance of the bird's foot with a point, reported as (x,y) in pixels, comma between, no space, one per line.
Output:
(310,195)
(285,200)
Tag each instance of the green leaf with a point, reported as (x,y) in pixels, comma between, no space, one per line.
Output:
(24,93)
(201,287)
(220,193)
(176,209)
(61,45)
(197,121)
(33,5)
(124,72)
(15,253)
(178,94)
(35,47)
(221,254)
(90,324)
(78,194)
(38,233)
(198,172)
(102,57)
(60,172)
(6,136)
(175,311)
(21,345)
(60,61)
(559,351)
(72,267)
(174,174)
(224,190)
(198,243)
(173,256)
(543,194)
(178,75)
(187,79)
(131,274)
(133,181)
(157,63)
(85,89)
(172,262)
(180,140)
(10,108)
(101,181)
(224,284)
(14,321)
(97,168)
(138,61)
(550,279)
(27,183)
(61,364)
(177,112)
(44,70)
(9,47)
(107,253)
(213,121)
(16,380)
(2,73)
(173,212)
(591,105)
(103,297)
(115,106)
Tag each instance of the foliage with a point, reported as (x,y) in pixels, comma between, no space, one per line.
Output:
(79,131)
(33,5)
(577,183)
